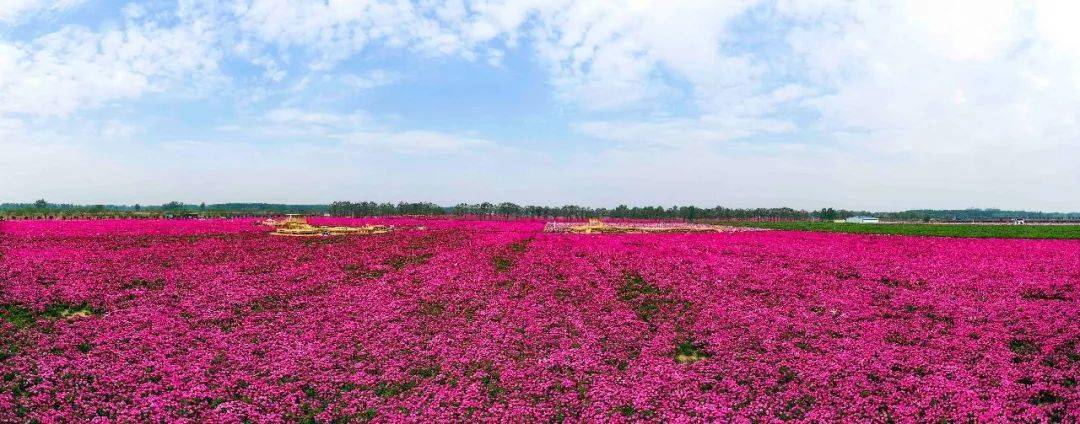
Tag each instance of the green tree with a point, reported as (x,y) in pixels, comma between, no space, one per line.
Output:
(486,208)
(172,206)
(828,214)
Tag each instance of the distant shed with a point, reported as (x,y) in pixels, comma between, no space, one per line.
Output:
(862,220)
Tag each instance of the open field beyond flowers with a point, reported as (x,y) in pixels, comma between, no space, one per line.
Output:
(1025,231)
(488,320)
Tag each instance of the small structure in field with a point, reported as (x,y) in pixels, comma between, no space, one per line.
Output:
(297,226)
(596,226)
(863,220)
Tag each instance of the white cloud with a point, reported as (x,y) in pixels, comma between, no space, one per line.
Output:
(931,79)
(684,131)
(369,80)
(618,53)
(13,11)
(358,130)
(76,68)
(242,165)
(601,54)
(72,161)
(298,124)
(1055,22)
(416,141)
(337,29)
(298,117)
(902,100)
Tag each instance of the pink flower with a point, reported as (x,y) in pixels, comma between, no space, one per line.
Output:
(192,321)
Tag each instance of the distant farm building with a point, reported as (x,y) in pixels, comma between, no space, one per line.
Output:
(862,220)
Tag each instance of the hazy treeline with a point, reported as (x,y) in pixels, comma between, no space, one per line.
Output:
(42,207)
(646,212)
(973,215)
(512,210)
(383,209)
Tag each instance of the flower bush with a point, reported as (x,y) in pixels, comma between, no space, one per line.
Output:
(498,321)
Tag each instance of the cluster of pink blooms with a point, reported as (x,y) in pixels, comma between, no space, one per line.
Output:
(446,320)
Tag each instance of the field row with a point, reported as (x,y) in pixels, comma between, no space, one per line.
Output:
(1026,231)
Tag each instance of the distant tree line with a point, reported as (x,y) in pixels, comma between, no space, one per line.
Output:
(974,215)
(267,208)
(690,213)
(384,209)
(949,215)
(44,208)
(508,210)
(513,210)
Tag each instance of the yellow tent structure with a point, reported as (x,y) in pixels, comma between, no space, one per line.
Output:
(297,226)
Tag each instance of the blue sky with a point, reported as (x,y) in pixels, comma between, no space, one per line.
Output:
(866,105)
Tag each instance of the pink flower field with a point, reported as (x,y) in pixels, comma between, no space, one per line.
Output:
(217,321)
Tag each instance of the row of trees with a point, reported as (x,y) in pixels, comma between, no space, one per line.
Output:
(508,209)
(384,209)
(511,210)
(43,207)
(976,215)
(690,213)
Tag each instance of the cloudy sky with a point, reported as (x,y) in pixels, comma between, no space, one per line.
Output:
(880,105)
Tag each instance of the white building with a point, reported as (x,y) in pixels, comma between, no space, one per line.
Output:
(862,220)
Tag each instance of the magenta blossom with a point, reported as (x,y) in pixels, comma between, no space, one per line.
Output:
(465,320)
